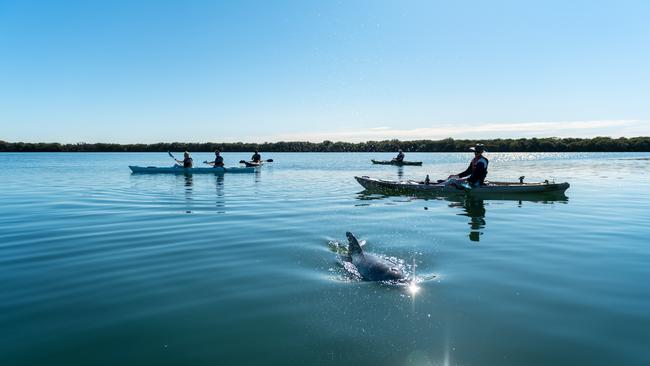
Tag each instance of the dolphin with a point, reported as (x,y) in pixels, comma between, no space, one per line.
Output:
(372,267)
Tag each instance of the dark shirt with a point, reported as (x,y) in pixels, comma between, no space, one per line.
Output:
(400,157)
(477,170)
(256,158)
(218,161)
(187,162)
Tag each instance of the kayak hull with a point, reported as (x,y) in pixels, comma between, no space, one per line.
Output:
(252,164)
(492,188)
(180,170)
(397,163)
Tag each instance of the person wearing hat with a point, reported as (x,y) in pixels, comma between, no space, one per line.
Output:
(400,156)
(477,169)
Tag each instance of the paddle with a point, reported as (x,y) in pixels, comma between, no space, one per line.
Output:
(173,157)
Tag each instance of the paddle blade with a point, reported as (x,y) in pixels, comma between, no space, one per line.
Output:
(242,162)
(269,160)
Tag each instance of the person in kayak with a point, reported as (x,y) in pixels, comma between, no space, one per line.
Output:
(218,160)
(187,160)
(400,156)
(477,169)
(256,158)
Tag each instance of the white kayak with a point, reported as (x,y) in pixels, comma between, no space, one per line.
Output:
(181,170)
(497,188)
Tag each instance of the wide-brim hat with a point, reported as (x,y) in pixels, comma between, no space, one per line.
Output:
(478,147)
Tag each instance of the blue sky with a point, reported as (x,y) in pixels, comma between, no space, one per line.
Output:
(148,71)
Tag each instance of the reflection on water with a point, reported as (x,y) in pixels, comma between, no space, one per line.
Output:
(258,175)
(475,210)
(188,182)
(473,207)
(400,173)
(220,201)
(188,179)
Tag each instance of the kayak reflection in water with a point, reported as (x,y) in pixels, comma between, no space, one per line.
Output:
(256,158)
(477,169)
(187,160)
(400,156)
(218,160)
(400,172)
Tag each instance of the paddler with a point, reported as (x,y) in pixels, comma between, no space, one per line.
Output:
(187,160)
(477,169)
(218,160)
(400,156)
(256,158)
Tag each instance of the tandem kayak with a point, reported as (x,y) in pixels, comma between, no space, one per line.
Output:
(181,170)
(395,162)
(494,188)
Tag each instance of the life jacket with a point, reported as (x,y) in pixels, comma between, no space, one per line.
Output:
(478,159)
(187,163)
(218,161)
(478,177)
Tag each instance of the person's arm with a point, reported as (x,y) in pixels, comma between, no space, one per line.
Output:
(467,172)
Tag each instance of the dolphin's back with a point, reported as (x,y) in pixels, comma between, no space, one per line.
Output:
(374,268)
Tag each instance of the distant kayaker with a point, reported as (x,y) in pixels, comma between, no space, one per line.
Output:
(218,160)
(187,160)
(477,169)
(400,156)
(256,158)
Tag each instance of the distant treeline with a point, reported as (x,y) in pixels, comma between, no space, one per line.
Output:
(551,144)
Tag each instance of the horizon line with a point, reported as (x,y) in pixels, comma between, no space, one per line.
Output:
(477,140)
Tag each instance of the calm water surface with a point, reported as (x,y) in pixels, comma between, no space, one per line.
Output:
(99,266)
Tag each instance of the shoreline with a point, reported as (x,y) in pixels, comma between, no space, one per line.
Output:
(523,145)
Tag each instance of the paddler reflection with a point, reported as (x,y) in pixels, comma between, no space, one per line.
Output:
(475,210)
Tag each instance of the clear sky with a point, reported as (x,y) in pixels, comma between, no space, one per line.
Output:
(148,71)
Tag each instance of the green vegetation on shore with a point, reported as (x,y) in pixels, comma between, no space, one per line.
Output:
(551,144)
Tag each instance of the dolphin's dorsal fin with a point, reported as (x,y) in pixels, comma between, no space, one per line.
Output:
(353,244)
